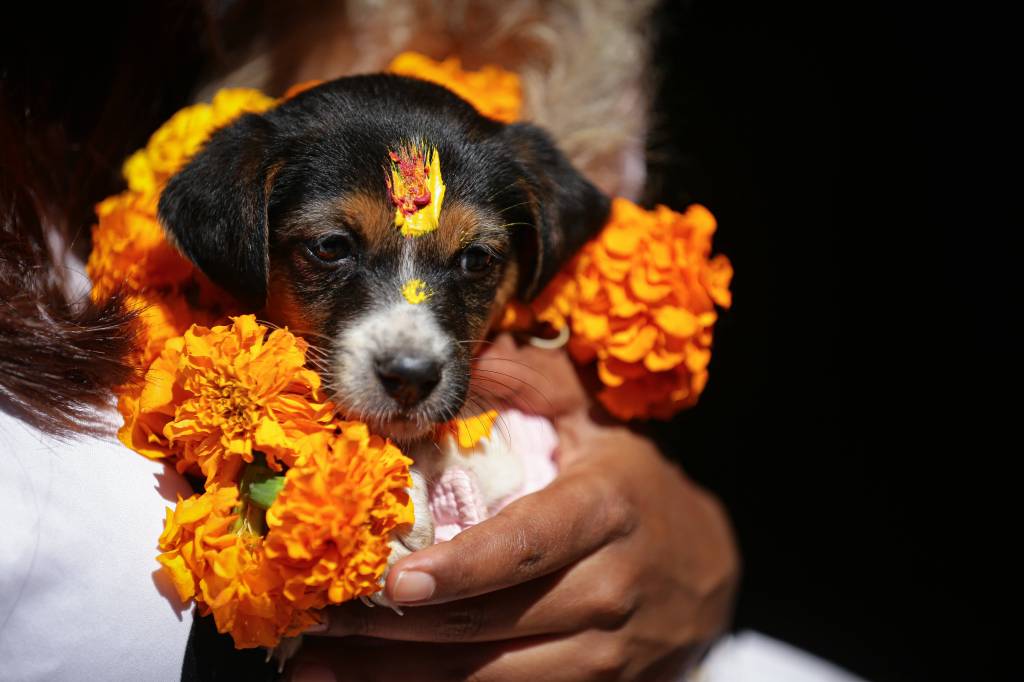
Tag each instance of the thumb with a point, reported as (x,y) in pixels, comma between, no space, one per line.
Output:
(534,536)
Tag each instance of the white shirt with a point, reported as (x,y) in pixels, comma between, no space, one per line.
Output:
(753,657)
(81,596)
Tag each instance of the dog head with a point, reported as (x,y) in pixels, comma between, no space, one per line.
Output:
(294,213)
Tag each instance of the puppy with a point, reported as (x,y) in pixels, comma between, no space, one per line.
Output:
(294,213)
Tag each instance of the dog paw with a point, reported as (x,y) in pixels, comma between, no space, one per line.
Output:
(379,599)
(399,551)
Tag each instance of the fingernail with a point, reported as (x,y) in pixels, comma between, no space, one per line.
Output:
(312,672)
(413,586)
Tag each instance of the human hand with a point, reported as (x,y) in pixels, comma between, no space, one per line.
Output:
(622,568)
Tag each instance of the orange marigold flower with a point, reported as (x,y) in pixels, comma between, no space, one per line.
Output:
(211,558)
(329,526)
(161,318)
(494,92)
(640,299)
(129,248)
(299,88)
(470,430)
(214,396)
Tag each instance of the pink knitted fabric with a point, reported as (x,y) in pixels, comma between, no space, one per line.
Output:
(455,499)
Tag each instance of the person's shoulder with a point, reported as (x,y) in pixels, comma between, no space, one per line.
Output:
(80,593)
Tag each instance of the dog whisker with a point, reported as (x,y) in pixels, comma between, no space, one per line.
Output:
(523,382)
(484,404)
(303,332)
(481,407)
(514,362)
(520,401)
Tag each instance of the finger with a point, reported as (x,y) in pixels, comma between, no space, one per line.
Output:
(532,537)
(595,593)
(586,656)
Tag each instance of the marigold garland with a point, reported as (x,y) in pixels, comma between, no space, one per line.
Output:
(215,396)
(494,92)
(130,252)
(329,525)
(226,572)
(212,401)
(640,301)
(223,401)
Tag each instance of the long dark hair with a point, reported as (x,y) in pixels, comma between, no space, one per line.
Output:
(75,100)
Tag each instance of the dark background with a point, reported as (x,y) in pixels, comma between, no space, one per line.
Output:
(838,424)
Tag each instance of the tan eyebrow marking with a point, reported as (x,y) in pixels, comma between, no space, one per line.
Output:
(461,224)
(370,216)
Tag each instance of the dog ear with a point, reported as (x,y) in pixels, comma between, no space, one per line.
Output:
(215,209)
(563,209)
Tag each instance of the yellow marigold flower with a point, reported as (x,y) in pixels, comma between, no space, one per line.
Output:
(494,92)
(183,554)
(211,558)
(214,396)
(329,526)
(176,141)
(640,300)
(230,103)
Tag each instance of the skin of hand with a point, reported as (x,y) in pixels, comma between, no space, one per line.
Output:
(621,569)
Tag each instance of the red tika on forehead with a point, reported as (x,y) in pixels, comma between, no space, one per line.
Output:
(416,188)
(409,191)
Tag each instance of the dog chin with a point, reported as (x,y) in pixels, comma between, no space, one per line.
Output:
(402,430)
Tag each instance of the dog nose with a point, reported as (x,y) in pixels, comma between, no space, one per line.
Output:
(408,378)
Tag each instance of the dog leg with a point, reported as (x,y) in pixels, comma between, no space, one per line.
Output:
(405,542)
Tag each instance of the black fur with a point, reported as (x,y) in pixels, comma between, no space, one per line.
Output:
(564,208)
(216,209)
(332,139)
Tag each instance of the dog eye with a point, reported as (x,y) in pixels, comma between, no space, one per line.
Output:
(476,261)
(331,249)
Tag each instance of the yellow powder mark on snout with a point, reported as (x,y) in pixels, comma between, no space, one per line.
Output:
(416,291)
